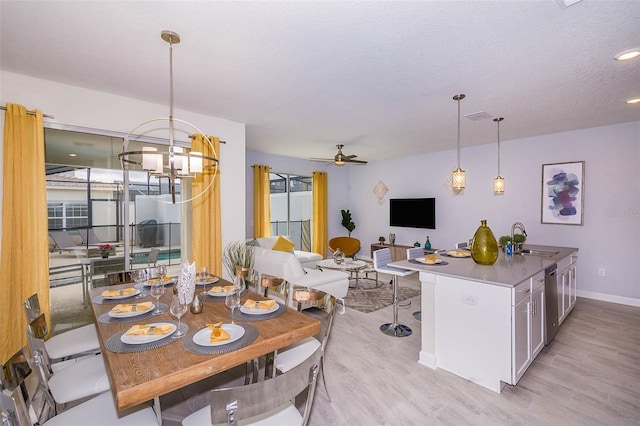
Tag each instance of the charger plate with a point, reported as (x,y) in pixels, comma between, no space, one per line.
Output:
(105,318)
(241,316)
(114,344)
(250,336)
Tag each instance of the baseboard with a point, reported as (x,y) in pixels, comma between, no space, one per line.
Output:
(622,300)
(428,360)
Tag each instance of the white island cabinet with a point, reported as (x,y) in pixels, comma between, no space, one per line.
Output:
(487,323)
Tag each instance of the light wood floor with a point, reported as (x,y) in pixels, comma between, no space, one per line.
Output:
(589,375)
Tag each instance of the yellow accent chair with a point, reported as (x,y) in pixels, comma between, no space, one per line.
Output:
(349,246)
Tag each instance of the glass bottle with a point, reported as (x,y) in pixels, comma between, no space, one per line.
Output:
(427,244)
(485,247)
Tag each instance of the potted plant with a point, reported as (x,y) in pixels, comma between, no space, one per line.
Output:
(237,258)
(381,239)
(347,222)
(518,240)
(504,240)
(105,250)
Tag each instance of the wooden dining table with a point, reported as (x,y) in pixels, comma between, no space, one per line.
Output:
(143,376)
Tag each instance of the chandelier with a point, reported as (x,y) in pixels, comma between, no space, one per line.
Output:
(458,177)
(176,162)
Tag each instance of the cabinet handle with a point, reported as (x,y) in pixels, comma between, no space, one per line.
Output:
(525,290)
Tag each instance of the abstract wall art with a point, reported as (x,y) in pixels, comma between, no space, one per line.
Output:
(563,193)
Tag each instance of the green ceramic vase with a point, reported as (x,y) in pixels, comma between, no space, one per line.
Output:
(484,249)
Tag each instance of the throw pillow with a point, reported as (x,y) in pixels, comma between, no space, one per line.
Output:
(282,244)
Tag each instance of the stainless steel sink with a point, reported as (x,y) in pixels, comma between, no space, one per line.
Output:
(534,252)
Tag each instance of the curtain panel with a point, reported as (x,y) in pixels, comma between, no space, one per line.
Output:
(320,213)
(261,201)
(206,229)
(24,262)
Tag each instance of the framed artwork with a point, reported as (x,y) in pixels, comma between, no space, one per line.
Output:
(563,193)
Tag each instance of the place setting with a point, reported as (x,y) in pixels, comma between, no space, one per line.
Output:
(458,253)
(220,292)
(429,260)
(144,337)
(132,312)
(204,278)
(259,310)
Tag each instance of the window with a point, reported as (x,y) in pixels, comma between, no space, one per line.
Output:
(64,215)
(292,207)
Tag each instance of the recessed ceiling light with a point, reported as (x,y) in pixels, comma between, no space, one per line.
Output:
(633,101)
(627,55)
(73,155)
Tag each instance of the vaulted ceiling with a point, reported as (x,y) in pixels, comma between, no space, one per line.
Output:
(378,77)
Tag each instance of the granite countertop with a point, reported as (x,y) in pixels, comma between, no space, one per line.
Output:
(508,271)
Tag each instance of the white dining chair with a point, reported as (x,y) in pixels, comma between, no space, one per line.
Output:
(79,380)
(20,406)
(74,343)
(265,403)
(381,260)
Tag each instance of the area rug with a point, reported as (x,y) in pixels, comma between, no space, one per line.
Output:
(371,299)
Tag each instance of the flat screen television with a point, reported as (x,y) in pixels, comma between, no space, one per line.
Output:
(413,212)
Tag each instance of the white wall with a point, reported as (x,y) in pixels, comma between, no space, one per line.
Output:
(76,106)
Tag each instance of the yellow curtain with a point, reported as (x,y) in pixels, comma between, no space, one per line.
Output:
(320,213)
(206,230)
(24,263)
(261,201)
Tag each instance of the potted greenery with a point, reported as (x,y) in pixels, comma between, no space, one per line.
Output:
(518,240)
(238,258)
(381,239)
(347,222)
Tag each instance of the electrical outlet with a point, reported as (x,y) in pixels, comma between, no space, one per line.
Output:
(601,272)
(469,300)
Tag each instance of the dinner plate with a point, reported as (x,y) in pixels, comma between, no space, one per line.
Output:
(211,280)
(427,262)
(459,253)
(125,296)
(139,339)
(130,314)
(167,281)
(217,293)
(203,336)
(248,311)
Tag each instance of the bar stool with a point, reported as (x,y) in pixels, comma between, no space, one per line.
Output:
(381,259)
(414,253)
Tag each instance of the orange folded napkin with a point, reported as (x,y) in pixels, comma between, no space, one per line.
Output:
(431,259)
(138,330)
(218,334)
(157,280)
(263,304)
(132,307)
(221,289)
(122,292)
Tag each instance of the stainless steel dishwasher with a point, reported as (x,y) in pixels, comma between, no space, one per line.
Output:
(551,303)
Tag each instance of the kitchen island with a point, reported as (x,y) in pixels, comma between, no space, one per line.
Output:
(487,323)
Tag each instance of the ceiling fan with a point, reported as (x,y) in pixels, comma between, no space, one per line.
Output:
(340,159)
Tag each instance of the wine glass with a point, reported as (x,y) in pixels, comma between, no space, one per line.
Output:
(157,290)
(204,276)
(161,272)
(177,309)
(232,300)
(140,276)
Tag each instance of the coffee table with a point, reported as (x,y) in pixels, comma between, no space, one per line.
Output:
(354,267)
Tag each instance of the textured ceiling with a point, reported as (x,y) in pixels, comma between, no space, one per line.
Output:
(378,77)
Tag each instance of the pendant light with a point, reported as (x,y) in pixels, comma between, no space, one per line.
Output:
(498,183)
(174,163)
(458,178)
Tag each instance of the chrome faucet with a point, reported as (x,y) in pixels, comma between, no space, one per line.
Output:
(520,226)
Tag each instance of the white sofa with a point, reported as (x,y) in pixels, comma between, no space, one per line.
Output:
(307,259)
(287,266)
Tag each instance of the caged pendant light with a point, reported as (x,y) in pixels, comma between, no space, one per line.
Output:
(176,162)
(458,177)
(498,183)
